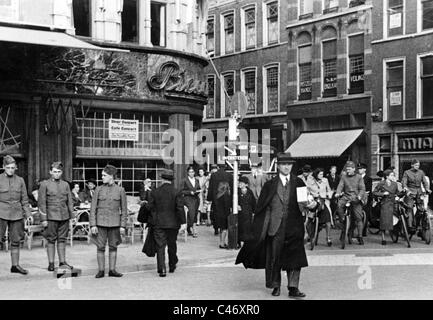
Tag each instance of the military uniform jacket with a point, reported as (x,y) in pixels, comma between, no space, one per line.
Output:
(14,202)
(109,207)
(55,200)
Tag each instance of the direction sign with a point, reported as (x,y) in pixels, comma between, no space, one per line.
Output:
(236,158)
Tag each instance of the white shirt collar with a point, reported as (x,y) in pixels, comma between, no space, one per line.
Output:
(284,179)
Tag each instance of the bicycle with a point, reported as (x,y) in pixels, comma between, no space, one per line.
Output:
(422,220)
(400,228)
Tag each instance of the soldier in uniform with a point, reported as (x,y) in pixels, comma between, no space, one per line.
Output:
(13,206)
(56,208)
(108,215)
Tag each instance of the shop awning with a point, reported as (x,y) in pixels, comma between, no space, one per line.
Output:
(328,144)
(45,38)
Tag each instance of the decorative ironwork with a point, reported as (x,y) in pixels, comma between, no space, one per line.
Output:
(9,143)
(57,114)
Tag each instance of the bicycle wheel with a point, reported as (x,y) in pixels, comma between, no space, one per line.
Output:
(427,229)
(406,235)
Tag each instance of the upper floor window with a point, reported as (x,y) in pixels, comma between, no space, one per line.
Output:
(394,89)
(330,6)
(427,86)
(9,10)
(249,88)
(395,17)
(228,39)
(210,108)
(130,21)
(305,9)
(249,29)
(356,64)
(228,91)
(427,14)
(158,25)
(355,3)
(82,17)
(210,36)
(271,89)
(329,52)
(272,22)
(305,76)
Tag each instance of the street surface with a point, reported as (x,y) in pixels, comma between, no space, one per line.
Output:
(208,273)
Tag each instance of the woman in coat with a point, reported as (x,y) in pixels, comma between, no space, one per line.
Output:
(321,191)
(202,179)
(247,206)
(190,192)
(387,190)
(223,205)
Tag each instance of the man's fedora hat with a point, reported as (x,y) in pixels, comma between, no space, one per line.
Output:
(307,168)
(285,158)
(167,174)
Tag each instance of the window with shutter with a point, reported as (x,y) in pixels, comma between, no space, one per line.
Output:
(272,89)
(356,64)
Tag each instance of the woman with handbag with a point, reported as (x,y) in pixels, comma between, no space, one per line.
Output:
(321,191)
(190,191)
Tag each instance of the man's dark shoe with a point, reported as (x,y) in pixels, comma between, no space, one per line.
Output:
(19,269)
(51,267)
(65,264)
(172,269)
(100,274)
(216,232)
(162,274)
(295,293)
(276,292)
(115,274)
(361,241)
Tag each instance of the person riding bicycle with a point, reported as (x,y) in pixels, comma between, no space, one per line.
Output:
(412,182)
(351,189)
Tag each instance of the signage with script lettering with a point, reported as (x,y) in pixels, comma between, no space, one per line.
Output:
(125,130)
(415,143)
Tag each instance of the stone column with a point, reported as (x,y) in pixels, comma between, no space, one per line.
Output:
(145,23)
(179,122)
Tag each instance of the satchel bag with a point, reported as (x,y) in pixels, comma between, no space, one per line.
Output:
(149,247)
(143,214)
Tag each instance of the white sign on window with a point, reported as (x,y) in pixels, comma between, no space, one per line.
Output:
(125,130)
(395,20)
(395,98)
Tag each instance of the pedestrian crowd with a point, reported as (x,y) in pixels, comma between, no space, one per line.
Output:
(273,212)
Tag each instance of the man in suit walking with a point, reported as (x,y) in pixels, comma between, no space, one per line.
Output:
(256,181)
(167,216)
(368,182)
(278,231)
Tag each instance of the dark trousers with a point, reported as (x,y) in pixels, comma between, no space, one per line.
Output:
(411,201)
(274,245)
(166,238)
(16,231)
(57,231)
(357,214)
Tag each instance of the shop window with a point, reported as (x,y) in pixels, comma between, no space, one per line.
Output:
(82,17)
(249,88)
(272,23)
(385,144)
(305,9)
(330,6)
(210,108)
(395,17)
(395,89)
(94,135)
(305,76)
(385,163)
(228,92)
(427,14)
(130,173)
(356,64)
(229,35)
(329,49)
(427,86)
(130,21)
(158,25)
(210,36)
(9,10)
(271,92)
(249,29)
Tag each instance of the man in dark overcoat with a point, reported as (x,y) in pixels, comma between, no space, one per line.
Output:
(167,216)
(278,231)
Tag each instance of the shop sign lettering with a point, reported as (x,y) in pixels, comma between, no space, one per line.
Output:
(123,130)
(420,143)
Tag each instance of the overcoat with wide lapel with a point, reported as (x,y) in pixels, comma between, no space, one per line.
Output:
(253,253)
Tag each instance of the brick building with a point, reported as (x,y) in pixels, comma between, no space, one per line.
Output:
(329,85)
(92,82)
(402,87)
(247,41)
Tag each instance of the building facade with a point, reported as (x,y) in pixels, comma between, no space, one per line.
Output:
(247,43)
(94,82)
(329,85)
(402,88)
